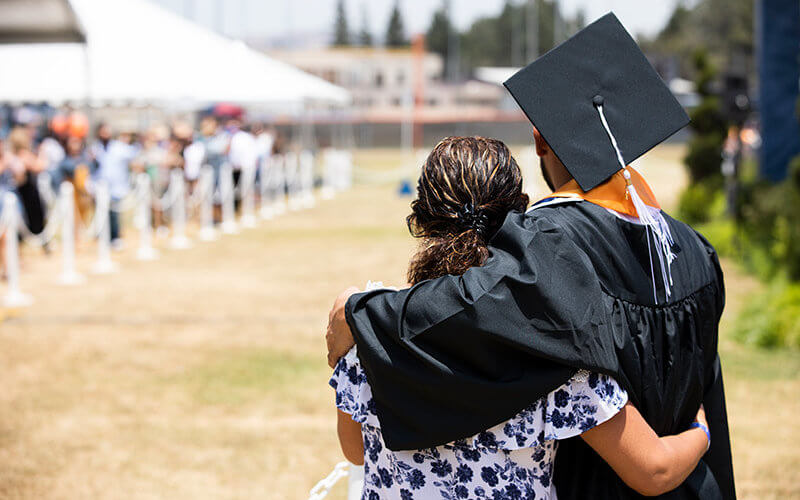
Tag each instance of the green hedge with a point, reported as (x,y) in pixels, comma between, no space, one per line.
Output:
(772,319)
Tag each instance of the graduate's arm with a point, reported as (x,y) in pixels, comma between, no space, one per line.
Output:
(536,281)
(350,438)
(338,336)
(647,463)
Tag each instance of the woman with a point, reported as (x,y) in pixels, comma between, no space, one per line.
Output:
(26,166)
(467,187)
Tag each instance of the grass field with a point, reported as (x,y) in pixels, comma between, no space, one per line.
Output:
(203,375)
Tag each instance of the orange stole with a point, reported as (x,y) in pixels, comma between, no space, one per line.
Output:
(611,194)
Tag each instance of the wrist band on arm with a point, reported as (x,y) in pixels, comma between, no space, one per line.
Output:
(698,425)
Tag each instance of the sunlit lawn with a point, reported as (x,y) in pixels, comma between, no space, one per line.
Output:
(202,375)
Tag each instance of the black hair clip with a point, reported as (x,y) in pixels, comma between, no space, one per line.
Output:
(472,218)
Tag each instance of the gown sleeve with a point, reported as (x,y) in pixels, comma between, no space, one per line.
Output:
(473,350)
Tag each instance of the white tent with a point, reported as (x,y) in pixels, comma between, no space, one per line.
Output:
(138,53)
(38,21)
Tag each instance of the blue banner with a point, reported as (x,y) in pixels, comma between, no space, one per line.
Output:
(779,83)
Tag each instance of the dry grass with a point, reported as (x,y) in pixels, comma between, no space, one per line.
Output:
(202,375)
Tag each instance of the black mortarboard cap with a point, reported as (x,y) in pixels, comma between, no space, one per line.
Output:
(600,65)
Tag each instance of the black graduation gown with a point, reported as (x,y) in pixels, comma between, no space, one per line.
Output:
(566,287)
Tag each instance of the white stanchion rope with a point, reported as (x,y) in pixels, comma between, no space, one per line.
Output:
(165,202)
(49,231)
(5,220)
(44,182)
(323,488)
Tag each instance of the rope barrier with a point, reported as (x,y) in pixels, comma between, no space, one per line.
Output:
(102,211)
(179,239)
(276,180)
(69,275)
(226,190)
(14,297)
(205,187)
(355,474)
(145,216)
(49,231)
(247,182)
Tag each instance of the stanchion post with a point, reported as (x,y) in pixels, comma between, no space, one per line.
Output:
(14,297)
(307,179)
(179,240)
(278,184)
(206,187)
(328,186)
(291,172)
(103,264)
(69,275)
(265,187)
(247,186)
(146,251)
(226,190)
(355,482)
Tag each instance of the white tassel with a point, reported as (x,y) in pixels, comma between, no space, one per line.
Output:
(651,218)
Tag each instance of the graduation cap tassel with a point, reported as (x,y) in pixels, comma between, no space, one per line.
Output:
(651,218)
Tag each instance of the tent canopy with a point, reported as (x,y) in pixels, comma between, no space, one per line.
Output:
(139,53)
(39,21)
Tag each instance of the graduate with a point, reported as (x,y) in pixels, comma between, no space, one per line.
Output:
(595,277)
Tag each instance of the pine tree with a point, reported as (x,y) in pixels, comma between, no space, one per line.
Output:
(438,36)
(395,32)
(341,31)
(365,35)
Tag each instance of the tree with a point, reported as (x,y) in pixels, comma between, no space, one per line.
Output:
(489,41)
(724,28)
(341,31)
(705,148)
(438,37)
(395,32)
(365,35)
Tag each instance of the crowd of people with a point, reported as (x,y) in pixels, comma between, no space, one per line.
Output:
(37,153)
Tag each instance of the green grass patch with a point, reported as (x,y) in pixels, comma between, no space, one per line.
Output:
(240,378)
(765,365)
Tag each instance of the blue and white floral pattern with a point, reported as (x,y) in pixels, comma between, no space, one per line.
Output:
(511,461)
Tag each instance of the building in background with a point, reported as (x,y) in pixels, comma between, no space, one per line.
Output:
(385,83)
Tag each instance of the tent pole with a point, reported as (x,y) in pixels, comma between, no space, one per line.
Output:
(87,68)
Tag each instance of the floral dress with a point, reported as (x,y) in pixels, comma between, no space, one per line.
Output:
(512,460)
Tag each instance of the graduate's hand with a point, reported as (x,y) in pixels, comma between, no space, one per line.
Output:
(339,337)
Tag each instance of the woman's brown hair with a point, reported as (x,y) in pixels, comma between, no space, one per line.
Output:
(467,186)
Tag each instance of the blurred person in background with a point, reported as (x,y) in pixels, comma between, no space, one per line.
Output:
(51,149)
(265,140)
(6,186)
(243,153)
(103,135)
(26,166)
(113,169)
(153,158)
(216,141)
(192,152)
(75,158)
(74,168)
